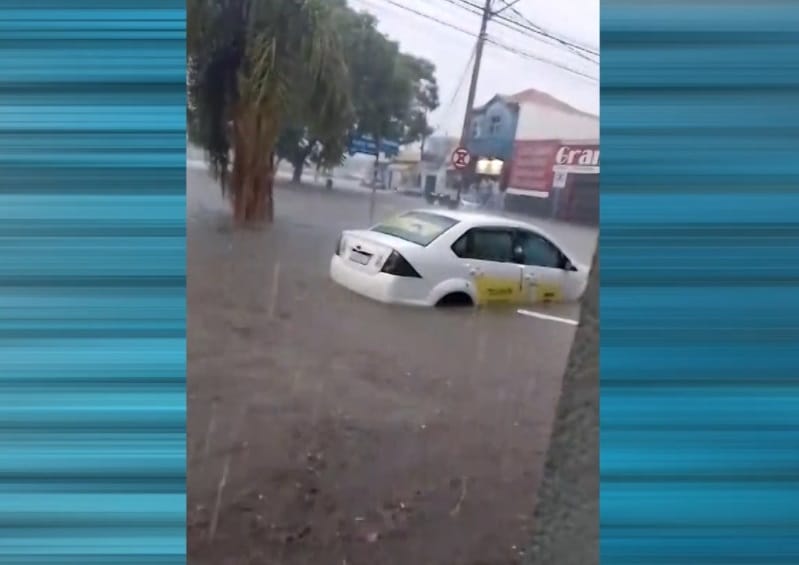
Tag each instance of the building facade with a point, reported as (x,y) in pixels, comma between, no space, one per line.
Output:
(575,183)
(493,129)
(555,178)
(549,130)
(435,165)
(545,117)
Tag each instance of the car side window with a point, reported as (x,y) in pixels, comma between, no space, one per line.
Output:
(537,251)
(485,244)
(461,247)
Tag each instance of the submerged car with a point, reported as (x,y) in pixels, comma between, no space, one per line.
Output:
(471,202)
(443,258)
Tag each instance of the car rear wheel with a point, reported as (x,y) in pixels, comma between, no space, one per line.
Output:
(455,300)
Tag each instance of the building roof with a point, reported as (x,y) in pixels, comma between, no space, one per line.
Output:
(533,96)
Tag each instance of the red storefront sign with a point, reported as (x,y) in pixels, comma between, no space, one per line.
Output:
(531,168)
(577,156)
(534,163)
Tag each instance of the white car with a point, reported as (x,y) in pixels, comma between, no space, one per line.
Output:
(442,258)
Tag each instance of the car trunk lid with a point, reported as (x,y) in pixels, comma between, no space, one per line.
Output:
(366,251)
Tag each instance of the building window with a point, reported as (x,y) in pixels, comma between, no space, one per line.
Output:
(496,122)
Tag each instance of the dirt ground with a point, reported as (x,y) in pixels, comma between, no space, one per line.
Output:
(327,429)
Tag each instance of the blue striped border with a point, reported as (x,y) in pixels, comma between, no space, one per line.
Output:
(700,276)
(92,282)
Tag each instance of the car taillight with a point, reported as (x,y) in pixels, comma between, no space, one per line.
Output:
(398,266)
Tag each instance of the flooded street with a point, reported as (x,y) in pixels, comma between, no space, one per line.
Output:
(325,428)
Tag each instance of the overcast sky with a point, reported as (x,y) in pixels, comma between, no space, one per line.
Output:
(501,72)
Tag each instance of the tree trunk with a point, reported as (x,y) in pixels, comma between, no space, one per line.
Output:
(252,178)
(296,176)
(237,188)
(299,162)
(567,511)
(253,202)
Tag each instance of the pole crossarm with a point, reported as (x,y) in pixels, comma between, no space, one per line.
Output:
(505,7)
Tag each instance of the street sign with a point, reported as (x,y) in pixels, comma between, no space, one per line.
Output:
(461,158)
(366,144)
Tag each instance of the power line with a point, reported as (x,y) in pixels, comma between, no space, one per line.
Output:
(468,3)
(478,59)
(456,92)
(538,58)
(468,6)
(530,26)
(580,51)
(424,15)
(504,46)
(526,27)
(507,6)
(462,80)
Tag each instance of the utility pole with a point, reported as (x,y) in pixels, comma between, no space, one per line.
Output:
(478,57)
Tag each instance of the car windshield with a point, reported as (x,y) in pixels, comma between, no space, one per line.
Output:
(418,227)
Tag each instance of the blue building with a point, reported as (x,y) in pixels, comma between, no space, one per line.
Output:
(493,129)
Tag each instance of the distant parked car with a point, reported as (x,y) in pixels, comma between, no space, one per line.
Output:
(470,201)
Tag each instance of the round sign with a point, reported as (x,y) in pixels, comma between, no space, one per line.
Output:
(461,158)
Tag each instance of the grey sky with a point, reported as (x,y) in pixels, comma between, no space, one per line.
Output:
(501,72)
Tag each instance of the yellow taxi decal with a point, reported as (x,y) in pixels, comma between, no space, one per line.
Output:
(492,290)
(548,293)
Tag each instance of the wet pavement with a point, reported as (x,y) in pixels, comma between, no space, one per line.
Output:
(325,428)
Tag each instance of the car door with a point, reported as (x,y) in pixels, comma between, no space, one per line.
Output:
(486,258)
(545,268)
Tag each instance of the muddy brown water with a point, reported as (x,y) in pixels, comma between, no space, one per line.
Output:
(327,429)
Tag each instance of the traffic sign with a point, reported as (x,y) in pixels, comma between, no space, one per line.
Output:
(461,158)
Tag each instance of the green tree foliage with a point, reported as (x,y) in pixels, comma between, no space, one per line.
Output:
(422,73)
(294,79)
(392,94)
(255,67)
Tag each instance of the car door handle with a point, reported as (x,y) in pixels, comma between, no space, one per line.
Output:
(529,278)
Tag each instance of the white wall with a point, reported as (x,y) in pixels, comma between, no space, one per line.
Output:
(544,122)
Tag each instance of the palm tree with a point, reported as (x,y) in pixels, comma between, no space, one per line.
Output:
(254,66)
(567,512)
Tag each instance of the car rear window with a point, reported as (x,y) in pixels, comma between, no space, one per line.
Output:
(418,227)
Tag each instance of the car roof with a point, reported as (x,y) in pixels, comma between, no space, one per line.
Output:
(472,219)
(481,219)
